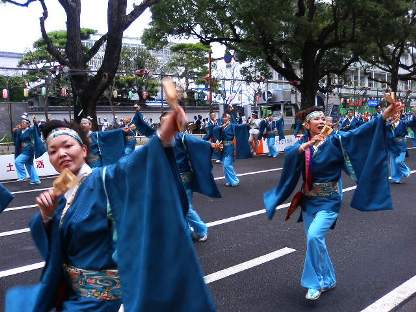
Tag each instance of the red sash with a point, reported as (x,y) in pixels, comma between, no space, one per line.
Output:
(307,185)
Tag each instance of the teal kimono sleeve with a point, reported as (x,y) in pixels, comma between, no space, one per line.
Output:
(38,144)
(365,155)
(242,135)
(111,144)
(199,152)
(142,125)
(157,264)
(5,197)
(17,142)
(288,180)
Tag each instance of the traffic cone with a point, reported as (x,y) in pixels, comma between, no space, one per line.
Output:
(260,147)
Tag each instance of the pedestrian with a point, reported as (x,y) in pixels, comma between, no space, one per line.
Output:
(320,159)
(112,238)
(28,145)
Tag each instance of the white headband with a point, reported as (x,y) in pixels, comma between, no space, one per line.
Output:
(313,115)
(63,131)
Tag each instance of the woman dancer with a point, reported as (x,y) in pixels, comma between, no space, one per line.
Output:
(362,153)
(111,238)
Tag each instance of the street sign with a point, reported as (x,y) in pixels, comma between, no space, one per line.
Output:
(373,103)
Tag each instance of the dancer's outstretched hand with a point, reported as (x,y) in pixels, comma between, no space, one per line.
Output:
(172,123)
(392,109)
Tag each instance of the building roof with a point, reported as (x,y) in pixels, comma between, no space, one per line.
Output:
(11,54)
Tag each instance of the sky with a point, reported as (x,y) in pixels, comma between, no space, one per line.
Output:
(19,26)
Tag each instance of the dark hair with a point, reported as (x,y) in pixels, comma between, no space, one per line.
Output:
(163,115)
(53,124)
(301,115)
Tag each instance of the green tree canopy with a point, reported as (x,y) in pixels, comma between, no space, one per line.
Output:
(303,40)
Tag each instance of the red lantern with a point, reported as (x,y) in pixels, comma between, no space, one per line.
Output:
(64,92)
(5,94)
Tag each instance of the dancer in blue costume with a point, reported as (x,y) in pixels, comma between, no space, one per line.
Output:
(105,147)
(270,128)
(362,153)
(350,122)
(398,147)
(130,132)
(28,145)
(112,237)
(227,133)
(209,136)
(193,160)
(5,197)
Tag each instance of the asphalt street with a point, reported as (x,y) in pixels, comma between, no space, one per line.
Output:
(373,252)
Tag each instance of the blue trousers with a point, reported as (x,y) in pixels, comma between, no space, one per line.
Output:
(24,163)
(318,271)
(192,217)
(398,167)
(228,161)
(272,147)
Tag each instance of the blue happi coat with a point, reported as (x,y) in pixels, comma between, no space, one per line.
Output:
(191,154)
(240,133)
(362,153)
(135,200)
(347,124)
(5,197)
(105,147)
(398,132)
(28,142)
(269,129)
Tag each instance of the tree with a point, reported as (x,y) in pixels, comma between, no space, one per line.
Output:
(15,85)
(189,60)
(391,33)
(303,40)
(136,66)
(88,88)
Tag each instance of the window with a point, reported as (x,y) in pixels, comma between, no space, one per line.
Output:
(288,111)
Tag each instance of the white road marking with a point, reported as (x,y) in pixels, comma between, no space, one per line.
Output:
(208,278)
(22,269)
(14,232)
(19,208)
(250,173)
(29,191)
(218,178)
(247,265)
(217,222)
(394,298)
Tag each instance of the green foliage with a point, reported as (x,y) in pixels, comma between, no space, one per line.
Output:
(317,37)
(15,85)
(135,58)
(189,60)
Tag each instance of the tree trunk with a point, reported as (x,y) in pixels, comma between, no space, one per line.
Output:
(309,84)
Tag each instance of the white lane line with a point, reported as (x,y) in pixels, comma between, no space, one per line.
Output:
(34,190)
(14,232)
(219,178)
(43,178)
(250,173)
(221,221)
(19,208)
(22,269)
(208,278)
(394,298)
(247,265)
(243,216)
